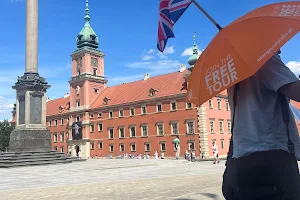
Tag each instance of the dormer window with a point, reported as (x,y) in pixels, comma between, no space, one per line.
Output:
(79,37)
(60,108)
(152,92)
(93,38)
(105,100)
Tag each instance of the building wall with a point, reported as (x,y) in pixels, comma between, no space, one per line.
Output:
(61,128)
(216,115)
(151,120)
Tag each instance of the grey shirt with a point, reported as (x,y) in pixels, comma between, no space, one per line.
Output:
(259,125)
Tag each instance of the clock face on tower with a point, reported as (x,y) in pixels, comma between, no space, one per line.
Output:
(94,62)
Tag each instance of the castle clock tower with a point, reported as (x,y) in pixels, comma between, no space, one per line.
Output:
(86,83)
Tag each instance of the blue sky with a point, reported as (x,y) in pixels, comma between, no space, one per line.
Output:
(127,32)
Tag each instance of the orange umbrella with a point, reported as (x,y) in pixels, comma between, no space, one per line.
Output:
(240,49)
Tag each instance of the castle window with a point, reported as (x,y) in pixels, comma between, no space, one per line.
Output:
(96,90)
(95,72)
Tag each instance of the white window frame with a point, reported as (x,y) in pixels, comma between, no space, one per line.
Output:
(78,103)
(160,107)
(122,144)
(111,146)
(187,107)
(109,132)
(143,106)
(62,149)
(100,146)
(227,106)
(171,105)
(61,136)
(210,104)
(190,144)
(110,114)
(161,145)
(50,123)
(92,126)
(99,114)
(92,145)
(131,145)
(121,127)
(130,113)
(172,128)
(157,127)
(78,118)
(62,121)
(99,129)
(222,143)
(187,125)
(142,130)
(229,126)
(219,104)
(133,126)
(221,126)
(121,111)
(55,122)
(92,115)
(55,137)
(145,144)
(214,128)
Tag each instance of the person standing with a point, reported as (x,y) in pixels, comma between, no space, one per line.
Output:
(215,152)
(265,144)
(176,143)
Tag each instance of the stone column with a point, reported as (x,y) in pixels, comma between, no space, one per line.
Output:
(31,133)
(31,36)
(202,125)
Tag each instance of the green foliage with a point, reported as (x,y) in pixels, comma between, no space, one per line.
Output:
(5,129)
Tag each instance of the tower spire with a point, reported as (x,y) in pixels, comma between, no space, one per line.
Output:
(87,13)
(193,59)
(195,48)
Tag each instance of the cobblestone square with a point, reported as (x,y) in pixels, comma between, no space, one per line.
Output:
(111,179)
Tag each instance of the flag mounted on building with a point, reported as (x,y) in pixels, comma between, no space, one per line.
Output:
(169,12)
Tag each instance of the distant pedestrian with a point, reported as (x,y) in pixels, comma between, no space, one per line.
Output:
(176,143)
(215,152)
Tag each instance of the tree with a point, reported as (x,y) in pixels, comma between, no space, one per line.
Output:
(5,129)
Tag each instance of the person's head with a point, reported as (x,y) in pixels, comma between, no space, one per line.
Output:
(177,137)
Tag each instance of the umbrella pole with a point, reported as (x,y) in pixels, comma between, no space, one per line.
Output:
(206,14)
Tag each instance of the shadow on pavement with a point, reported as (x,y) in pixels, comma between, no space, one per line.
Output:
(212,196)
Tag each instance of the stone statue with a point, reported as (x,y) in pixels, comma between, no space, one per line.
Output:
(77,89)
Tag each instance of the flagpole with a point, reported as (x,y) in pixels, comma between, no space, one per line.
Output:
(206,14)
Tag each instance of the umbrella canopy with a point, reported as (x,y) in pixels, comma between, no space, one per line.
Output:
(240,49)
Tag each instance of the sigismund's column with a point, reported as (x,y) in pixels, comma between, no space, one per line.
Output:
(31,133)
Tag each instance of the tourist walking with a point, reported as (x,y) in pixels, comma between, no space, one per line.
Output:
(176,143)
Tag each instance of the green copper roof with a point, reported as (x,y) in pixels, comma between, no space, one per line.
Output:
(193,59)
(87,37)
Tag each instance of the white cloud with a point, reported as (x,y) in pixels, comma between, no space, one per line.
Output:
(150,51)
(162,56)
(157,67)
(189,52)
(168,50)
(294,66)
(147,57)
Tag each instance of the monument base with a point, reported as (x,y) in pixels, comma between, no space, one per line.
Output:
(30,140)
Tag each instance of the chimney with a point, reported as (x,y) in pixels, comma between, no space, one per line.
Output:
(66,95)
(48,99)
(182,68)
(146,76)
